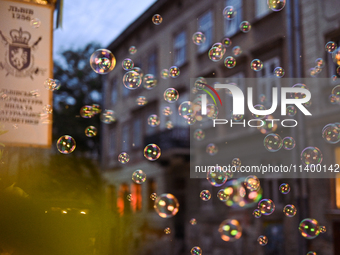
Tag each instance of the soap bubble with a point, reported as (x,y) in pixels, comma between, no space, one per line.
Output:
(123,158)
(229,12)
(200,83)
(171,95)
(262,240)
(238,117)
(221,195)
(289,210)
(216,177)
(35,23)
(198,38)
(311,253)
(266,206)
(153,196)
(236,162)
(245,26)
(157,19)
(215,54)
(334,99)
(267,126)
(288,143)
(284,188)
(87,111)
(211,149)
(252,183)
(138,71)
(132,50)
(256,65)
(108,116)
(149,81)
(167,231)
(331,133)
(152,152)
(153,120)
(230,62)
(205,195)
(166,205)
(127,64)
(230,230)
(141,100)
(237,51)
(226,42)
(174,72)
(320,62)
(311,156)
(336,57)
(196,250)
(91,131)
(276,5)
(167,111)
(139,176)
(48,109)
(52,84)
(336,91)
(102,61)
(279,72)
(272,142)
(199,134)
(165,74)
(185,109)
(169,124)
(309,228)
(132,80)
(66,144)
(257,213)
(193,221)
(330,46)
(129,197)
(291,110)
(96,108)
(322,229)
(261,108)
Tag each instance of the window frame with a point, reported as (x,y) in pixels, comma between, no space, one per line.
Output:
(234,23)
(178,46)
(206,27)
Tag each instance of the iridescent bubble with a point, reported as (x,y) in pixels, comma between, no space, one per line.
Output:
(185,109)
(132,80)
(139,71)
(66,144)
(334,99)
(257,213)
(221,195)
(132,50)
(167,231)
(312,72)
(267,126)
(256,65)
(149,81)
(211,149)
(166,205)
(141,100)
(272,142)
(48,109)
(171,95)
(284,188)
(169,124)
(123,158)
(317,69)
(288,143)
(212,111)
(193,221)
(102,61)
(331,133)
(174,72)
(276,5)
(330,46)
(336,56)
(252,183)
(205,195)
(216,177)
(91,131)
(311,156)
(336,91)
(108,116)
(289,210)
(266,206)
(299,95)
(309,228)
(198,38)
(52,84)
(127,64)
(226,42)
(199,134)
(237,51)
(261,108)
(167,111)
(215,54)
(279,72)
(320,62)
(229,12)
(153,196)
(311,253)
(87,111)
(230,62)
(35,23)
(129,197)
(262,240)
(230,230)
(200,83)
(165,74)
(153,120)
(238,117)
(334,78)
(139,176)
(196,250)
(96,108)
(245,26)
(157,19)
(322,229)
(236,162)
(152,152)
(291,110)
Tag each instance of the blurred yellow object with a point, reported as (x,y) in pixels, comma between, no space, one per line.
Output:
(16,191)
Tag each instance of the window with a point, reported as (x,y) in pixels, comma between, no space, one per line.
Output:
(136,192)
(114,92)
(113,141)
(180,49)
(152,63)
(231,27)
(137,133)
(261,8)
(126,137)
(205,25)
(264,86)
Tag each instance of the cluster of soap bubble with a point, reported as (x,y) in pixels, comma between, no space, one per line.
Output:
(335,95)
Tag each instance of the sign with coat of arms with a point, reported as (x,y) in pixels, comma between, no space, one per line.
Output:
(25,64)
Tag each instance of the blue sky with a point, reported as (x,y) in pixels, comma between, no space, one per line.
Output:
(100,21)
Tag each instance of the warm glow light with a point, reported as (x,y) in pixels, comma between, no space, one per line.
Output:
(337,180)
(64,212)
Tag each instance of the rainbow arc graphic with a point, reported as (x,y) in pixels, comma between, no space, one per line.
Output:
(204,98)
